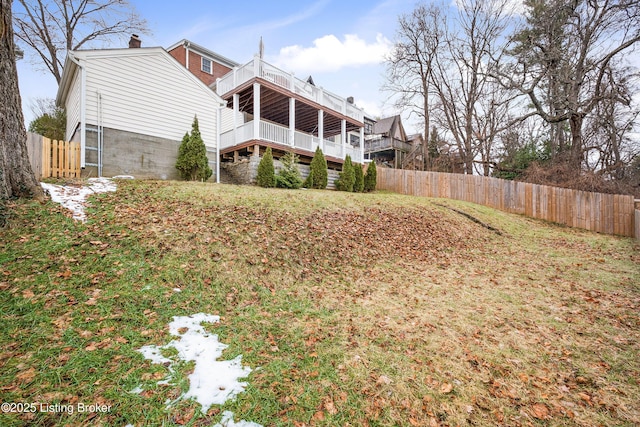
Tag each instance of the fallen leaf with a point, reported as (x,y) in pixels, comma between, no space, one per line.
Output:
(318,416)
(446,388)
(383,379)
(26,376)
(330,407)
(540,411)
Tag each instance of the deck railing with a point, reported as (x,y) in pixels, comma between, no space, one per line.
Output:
(261,69)
(277,134)
(377,143)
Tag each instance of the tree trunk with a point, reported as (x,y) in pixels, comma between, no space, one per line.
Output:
(16,176)
(575,123)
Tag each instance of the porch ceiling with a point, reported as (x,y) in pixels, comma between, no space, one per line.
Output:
(274,106)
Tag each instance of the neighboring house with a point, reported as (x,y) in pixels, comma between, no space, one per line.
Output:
(130,108)
(273,108)
(207,65)
(388,142)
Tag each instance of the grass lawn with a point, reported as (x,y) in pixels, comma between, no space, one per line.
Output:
(350,309)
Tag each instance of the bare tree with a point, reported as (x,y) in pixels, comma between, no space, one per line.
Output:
(608,145)
(49,28)
(16,176)
(410,65)
(472,106)
(562,58)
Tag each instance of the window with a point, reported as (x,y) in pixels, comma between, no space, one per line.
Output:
(368,127)
(206,65)
(354,140)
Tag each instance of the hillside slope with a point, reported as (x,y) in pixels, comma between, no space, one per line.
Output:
(351,309)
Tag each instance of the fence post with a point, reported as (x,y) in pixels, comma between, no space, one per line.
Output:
(636,206)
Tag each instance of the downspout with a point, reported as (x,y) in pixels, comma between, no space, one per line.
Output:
(218,124)
(100,133)
(83,114)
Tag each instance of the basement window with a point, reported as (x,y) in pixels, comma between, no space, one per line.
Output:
(206,65)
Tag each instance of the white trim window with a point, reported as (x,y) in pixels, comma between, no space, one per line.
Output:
(207,65)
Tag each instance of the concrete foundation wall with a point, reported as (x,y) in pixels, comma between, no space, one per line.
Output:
(245,171)
(127,153)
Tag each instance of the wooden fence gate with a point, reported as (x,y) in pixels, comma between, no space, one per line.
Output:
(60,159)
(53,159)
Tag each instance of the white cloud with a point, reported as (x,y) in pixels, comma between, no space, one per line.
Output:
(328,53)
(371,108)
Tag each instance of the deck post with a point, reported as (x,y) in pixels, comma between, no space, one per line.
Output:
(362,145)
(256,66)
(236,112)
(343,136)
(321,128)
(256,109)
(292,121)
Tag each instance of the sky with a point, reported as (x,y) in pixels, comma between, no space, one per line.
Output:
(340,43)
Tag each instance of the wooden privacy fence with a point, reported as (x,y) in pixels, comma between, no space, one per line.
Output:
(604,213)
(637,232)
(53,159)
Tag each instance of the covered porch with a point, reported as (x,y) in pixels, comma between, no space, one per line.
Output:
(273,108)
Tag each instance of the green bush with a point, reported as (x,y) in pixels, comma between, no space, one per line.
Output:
(53,125)
(370,177)
(347,176)
(289,175)
(266,171)
(358,185)
(318,176)
(192,162)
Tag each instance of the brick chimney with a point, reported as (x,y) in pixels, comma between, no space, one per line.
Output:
(135,41)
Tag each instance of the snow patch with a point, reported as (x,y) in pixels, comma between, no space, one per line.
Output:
(227,421)
(137,390)
(74,197)
(213,381)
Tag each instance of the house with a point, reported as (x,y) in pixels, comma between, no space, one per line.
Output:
(388,142)
(130,109)
(205,64)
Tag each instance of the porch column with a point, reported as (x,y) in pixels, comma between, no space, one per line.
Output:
(236,112)
(343,136)
(292,121)
(256,110)
(321,129)
(362,145)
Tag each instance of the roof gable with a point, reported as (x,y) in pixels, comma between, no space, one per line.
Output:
(391,127)
(75,59)
(203,51)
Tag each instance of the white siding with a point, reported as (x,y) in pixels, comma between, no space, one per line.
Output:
(148,93)
(72,105)
(227,120)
